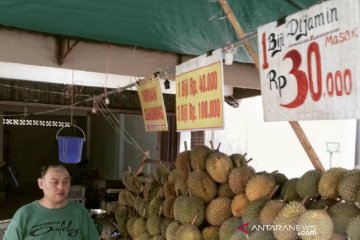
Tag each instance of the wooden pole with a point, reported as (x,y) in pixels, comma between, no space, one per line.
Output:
(294,124)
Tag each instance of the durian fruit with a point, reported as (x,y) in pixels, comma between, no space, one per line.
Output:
(164,225)
(158,237)
(218,165)
(153,225)
(121,217)
(188,232)
(342,213)
(180,186)
(320,204)
(187,208)
(252,212)
(239,177)
(329,182)
(308,184)
(150,189)
(172,229)
(262,235)
(126,198)
(167,207)
(142,208)
(239,204)
(225,191)
(168,190)
(198,157)
(132,182)
(139,227)
(280,180)
(155,206)
(211,233)
(322,227)
(260,186)
(349,186)
(145,236)
(229,228)
(162,173)
(337,236)
(130,226)
(218,211)
(288,192)
(288,217)
(353,228)
(202,186)
(239,160)
(176,173)
(270,211)
(182,161)
(121,212)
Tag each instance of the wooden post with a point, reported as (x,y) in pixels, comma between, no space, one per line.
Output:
(294,124)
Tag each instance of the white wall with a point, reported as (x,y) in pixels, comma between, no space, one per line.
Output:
(274,145)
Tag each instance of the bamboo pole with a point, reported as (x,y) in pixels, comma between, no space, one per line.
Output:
(294,124)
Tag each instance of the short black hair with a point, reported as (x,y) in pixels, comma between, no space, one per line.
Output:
(46,167)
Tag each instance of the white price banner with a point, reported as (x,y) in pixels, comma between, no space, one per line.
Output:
(309,63)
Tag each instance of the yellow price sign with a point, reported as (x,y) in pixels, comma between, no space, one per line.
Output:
(199,98)
(152,105)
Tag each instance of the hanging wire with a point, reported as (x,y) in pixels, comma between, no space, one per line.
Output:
(116,124)
(40,91)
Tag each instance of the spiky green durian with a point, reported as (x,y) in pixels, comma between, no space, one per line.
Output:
(187,208)
(238,205)
(198,157)
(218,211)
(218,165)
(252,212)
(308,184)
(288,217)
(225,191)
(229,228)
(262,235)
(172,229)
(139,227)
(153,225)
(320,222)
(188,232)
(270,211)
(353,228)
(329,182)
(239,177)
(182,161)
(211,233)
(342,213)
(239,160)
(349,186)
(260,186)
(288,192)
(201,185)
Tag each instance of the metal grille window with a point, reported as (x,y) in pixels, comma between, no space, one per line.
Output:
(33,122)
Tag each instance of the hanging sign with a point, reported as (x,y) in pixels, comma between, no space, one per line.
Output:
(199,93)
(152,105)
(309,63)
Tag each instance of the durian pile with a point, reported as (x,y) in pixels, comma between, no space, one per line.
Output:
(212,196)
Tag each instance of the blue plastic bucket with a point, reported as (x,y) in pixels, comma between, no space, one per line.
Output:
(70,148)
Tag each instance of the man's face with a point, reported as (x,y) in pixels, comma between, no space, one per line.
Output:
(55,185)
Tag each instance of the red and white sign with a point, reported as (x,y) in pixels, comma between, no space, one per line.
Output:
(309,64)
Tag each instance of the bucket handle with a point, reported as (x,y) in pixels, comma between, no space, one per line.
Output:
(57,134)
